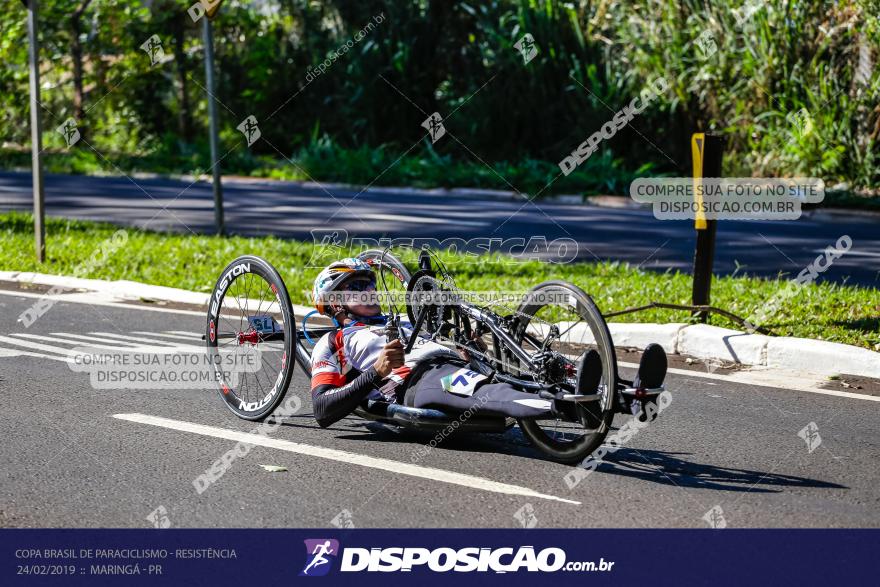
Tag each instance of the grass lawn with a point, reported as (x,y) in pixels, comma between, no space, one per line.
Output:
(823,310)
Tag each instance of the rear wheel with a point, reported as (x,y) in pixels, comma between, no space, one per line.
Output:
(250,336)
(561,318)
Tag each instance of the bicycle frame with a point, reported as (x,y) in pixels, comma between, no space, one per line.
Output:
(493,322)
(502,338)
(490,321)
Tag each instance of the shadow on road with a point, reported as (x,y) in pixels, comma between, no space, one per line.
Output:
(669,468)
(666,468)
(510,442)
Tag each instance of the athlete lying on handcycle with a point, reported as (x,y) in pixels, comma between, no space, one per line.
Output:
(356,363)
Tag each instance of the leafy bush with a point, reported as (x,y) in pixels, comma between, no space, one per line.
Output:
(792,85)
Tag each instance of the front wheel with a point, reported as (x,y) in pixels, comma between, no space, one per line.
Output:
(392,276)
(385,263)
(250,336)
(559,317)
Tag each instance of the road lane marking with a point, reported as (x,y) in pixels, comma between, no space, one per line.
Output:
(195,339)
(80,338)
(78,341)
(74,343)
(186,333)
(149,341)
(9,353)
(341,456)
(853,253)
(37,346)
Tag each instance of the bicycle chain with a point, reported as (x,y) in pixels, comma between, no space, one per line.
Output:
(447,284)
(499,360)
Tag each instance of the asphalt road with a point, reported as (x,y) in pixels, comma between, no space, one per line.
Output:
(65,460)
(765,248)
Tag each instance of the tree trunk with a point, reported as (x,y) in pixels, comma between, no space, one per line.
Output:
(76,53)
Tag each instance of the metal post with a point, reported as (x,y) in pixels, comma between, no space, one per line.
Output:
(36,133)
(212,114)
(707,151)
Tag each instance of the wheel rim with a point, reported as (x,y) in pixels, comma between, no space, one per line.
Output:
(252,329)
(576,332)
(392,276)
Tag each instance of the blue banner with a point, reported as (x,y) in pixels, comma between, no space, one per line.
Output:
(377,557)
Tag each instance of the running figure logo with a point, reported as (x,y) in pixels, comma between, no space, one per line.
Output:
(249,129)
(434,124)
(810,435)
(68,130)
(527,48)
(715,518)
(317,552)
(153,48)
(329,246)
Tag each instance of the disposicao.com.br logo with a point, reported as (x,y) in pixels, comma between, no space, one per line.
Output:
(319,555)
(441,560)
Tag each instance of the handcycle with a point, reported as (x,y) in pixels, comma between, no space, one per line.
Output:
(536,348)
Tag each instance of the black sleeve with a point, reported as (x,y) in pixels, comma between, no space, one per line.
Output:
(331,404)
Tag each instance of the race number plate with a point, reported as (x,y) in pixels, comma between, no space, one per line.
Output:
(463,382)
(264,324)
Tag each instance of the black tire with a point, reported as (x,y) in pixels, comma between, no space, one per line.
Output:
(255,395)
(379,260)
(596,417)
(391,273)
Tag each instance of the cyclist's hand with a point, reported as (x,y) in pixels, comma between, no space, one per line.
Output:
(478,344)
(391,357)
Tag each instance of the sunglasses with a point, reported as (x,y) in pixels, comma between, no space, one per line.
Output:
(360,285)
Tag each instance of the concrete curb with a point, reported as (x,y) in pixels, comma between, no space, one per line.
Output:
(703,341)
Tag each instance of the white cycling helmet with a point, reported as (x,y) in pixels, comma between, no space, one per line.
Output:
(333,276)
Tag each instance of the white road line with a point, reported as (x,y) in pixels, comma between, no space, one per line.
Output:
(187,333)
(4,352)
(853,253)
(37,346)
(755,378)
(73,343)
(195,339)
(145,340)
(80,338)
(388,465)
(83,298)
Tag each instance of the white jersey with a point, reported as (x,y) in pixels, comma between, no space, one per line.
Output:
(357,346)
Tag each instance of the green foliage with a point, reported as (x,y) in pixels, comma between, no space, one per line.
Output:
(794,85)
(509,123)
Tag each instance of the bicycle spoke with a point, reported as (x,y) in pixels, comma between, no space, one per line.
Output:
(250,295)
